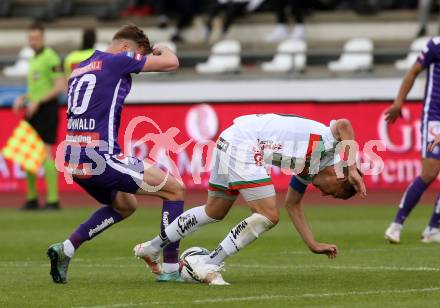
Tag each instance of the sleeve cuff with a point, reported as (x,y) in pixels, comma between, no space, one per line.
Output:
(297,185)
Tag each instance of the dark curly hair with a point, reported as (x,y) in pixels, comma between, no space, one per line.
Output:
(349,189)
(134,33)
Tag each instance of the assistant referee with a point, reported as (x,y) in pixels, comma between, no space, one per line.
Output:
(45,82)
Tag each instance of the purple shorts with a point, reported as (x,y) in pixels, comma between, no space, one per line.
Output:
(430,128)
(119,173)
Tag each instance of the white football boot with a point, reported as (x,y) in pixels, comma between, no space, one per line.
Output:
(430,235)
(392,234)
(152,257)
(208,273)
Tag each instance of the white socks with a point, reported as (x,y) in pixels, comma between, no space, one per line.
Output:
(170,267)
(68,248)
(240,236)
(186,223)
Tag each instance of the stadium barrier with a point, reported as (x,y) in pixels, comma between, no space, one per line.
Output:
(202,123)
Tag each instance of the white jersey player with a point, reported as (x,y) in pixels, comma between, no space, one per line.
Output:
(240,161)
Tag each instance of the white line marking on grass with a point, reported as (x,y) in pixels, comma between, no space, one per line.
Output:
(339,267)
(83,265)
(244,266)
(266,297)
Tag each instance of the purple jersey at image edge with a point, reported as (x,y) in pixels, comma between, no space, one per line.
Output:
(96,93)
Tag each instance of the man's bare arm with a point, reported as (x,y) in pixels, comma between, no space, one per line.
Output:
(296,213)
(161,60)
(59,87)
(343,131)
(395,111)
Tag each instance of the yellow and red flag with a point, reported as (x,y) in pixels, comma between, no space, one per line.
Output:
(25,147)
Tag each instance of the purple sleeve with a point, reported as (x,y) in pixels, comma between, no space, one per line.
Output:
(429,54)
(128,62)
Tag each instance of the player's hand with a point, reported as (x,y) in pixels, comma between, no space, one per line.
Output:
(431,146)
(157,51)
(31,109)
(356,180)
(18,103)
(330,250)
(394,112)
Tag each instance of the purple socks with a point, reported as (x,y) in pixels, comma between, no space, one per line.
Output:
(170,211)
(100,220)
(435,218)
(410,199)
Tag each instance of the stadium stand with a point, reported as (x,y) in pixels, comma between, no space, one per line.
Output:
(356,56)
(20,68)
(414,50)
(224,58)
(290,56)
(327,30)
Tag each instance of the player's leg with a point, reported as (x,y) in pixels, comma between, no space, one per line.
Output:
(120,206)
(191,220)
(123,205)
(431,234)
(430,170)
(265,215)
(31,192)
(51,176)
(172,194)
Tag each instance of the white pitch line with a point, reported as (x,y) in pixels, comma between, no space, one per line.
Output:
(83,265)
(252,266)
(266,297)
(79,260)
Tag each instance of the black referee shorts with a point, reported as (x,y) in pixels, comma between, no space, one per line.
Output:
(45,121)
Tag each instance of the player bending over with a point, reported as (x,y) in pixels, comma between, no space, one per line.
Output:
(239,166)
(428,59)
(97,91)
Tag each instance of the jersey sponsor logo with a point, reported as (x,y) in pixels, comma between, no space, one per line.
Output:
(92,66)
(258,157)
(269,144)
(222,144)
(136,56)
(238,229)
(82,138)
(186,222)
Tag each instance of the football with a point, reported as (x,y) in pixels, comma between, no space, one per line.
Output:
(188,259)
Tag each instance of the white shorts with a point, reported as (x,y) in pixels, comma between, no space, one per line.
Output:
(239,170)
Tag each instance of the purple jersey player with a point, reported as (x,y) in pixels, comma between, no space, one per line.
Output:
(96,94)
(428,59)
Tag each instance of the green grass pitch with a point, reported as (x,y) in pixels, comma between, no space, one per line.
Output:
(275,271)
